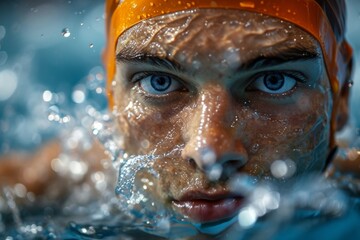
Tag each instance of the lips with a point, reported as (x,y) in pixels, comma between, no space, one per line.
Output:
(204,208)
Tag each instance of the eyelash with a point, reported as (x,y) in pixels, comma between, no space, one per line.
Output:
(298,76)
(151,98)
(140,76)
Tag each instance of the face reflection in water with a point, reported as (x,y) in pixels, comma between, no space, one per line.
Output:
(217,93)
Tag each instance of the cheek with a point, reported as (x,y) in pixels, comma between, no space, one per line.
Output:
(146,129)
(297,131)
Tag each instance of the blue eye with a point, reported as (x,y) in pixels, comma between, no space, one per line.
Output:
(159,84)
(274,83)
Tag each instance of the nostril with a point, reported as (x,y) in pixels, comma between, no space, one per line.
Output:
(191,162)
(233,160)
(232,166)
(236,164)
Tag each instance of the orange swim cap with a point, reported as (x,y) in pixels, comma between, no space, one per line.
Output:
(311,15)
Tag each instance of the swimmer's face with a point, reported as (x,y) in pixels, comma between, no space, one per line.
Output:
(221,90)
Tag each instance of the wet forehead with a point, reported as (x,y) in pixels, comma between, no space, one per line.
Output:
(214,35)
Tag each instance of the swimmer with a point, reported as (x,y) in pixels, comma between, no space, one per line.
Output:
(213,89)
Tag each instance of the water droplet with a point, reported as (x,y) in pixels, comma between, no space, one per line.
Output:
(196,64)
(20,190)
(242,183)
(8,83)
(2,32)
(3,57)
(66,32)
(214,172)
(47,96)
(145,143)
(283,168)
(78,96)
(163,225)
(88,231)
(247,217)
(34,10)
(208,157)
(255,148)
(279,169)
(55,115)
(247,103)
(91,45)
(350,83)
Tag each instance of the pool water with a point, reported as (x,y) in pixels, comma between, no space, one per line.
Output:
(107,206)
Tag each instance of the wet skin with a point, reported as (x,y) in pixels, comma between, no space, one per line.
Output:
(224,88)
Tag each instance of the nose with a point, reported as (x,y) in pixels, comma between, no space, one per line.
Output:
(211,139)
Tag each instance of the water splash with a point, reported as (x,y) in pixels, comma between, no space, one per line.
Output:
(13,207)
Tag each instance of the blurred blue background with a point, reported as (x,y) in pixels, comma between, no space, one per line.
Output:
(49,48)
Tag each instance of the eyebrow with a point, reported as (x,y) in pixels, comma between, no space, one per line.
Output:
(269,59)
(280,56)
(145,58)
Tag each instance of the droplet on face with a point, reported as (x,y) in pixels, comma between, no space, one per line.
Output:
(214,173)
(242,184)
(145,143)
(196,64)
(208,157)
(66,32)
(283,168)
(255,148)
(78,96)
